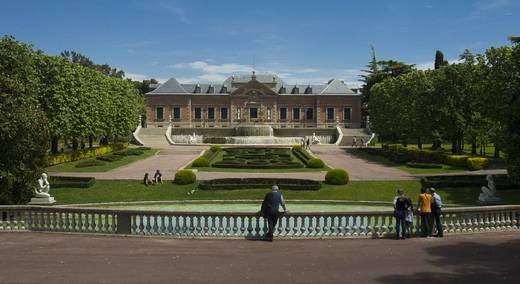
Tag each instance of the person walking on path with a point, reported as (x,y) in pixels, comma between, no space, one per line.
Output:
(308,144)
(425,208)
(354,141)
(436,211)
(401,206)
(269,210)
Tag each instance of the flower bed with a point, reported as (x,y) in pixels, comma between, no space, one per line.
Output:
(255,183)
(257,158)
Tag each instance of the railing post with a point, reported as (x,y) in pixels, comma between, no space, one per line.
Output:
(124,222)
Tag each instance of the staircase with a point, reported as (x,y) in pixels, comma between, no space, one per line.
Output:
(153,137)
(350,133)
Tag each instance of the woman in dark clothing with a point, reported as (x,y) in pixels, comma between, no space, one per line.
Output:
(146,180)
(401,206)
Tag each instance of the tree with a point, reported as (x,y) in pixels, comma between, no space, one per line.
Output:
(23,145)
(439,60)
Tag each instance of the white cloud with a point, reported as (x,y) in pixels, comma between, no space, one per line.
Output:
(431,64)
(136,77)
(179,12)
(226,68)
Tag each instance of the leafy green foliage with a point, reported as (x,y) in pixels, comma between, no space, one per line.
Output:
(184,177)
(215,148)
(337,177)
(90,163)
(315,163)
(200,162)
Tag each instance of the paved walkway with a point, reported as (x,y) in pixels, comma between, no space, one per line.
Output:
(357,168)
(65,258)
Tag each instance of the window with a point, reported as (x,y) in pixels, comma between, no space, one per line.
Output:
(283,113)
(211,113)
(330,113)
(176,115)
(309,114)
(253,112)
(347,114)
(198,113)
(223,113)
(296,113)
(159,113)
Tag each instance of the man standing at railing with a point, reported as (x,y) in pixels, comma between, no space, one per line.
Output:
(269,211)
(425,208)
(436,211)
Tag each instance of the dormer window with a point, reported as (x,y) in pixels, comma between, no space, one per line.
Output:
(223,90)
(197,89)
(211,89)
(295,90)
(282,90)
(308,90)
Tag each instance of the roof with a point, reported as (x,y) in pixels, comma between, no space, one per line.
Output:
(332,87)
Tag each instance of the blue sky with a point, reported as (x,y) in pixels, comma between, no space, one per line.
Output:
(302,41)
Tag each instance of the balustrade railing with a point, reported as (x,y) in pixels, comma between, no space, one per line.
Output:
(244,225)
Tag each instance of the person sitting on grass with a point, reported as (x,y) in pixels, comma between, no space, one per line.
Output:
(157,177)
(146,180)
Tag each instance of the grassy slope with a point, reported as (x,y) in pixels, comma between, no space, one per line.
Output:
(71,166)
(130,190)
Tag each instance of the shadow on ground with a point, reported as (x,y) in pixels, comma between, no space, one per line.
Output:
(467,262)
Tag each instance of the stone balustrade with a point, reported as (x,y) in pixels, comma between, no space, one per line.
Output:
(333,225)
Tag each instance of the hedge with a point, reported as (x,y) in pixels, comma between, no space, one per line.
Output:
(184,177)
(75,182)
(400,154)
(315,163)
(109,158)
(130,152)
(476,163)
(337,177)
(89,163)
(423,165)
(85,153)
(200,162)
(229,164)
(255,183)
(502,181)
(215,148)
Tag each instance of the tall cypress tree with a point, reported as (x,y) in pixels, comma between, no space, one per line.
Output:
(439,60)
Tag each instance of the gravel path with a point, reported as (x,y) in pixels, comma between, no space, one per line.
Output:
(66,258)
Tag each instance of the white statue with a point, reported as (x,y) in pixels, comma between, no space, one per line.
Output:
(271,131)
(489,192)
(315,139)
(41,192)
(193,139)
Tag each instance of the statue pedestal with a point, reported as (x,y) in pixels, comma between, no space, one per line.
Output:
(42,200)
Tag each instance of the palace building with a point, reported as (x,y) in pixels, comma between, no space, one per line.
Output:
(254,99)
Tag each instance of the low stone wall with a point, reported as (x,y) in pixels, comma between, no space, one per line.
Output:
(297,225)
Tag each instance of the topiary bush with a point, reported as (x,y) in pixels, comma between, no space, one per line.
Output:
(185,177)
(297,148)
(477,163)
(337,177)
(200,162)
(315,163)
(215,148)
(457,160)
(89,163)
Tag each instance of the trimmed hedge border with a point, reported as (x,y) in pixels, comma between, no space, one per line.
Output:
(255,183)
(75,182)
(85,153)
(502,181)
(423,165)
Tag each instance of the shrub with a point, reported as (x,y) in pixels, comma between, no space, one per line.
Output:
(315,163)
(502,181)
(337,177)
(129,152)
(423,165)
(143,148)
(110,158)
(250,183)
(297,148)
(184,177)
(74,182)
(85,153)
(89,163)
(477,163)
(200,162)
(457,160)
(215,148)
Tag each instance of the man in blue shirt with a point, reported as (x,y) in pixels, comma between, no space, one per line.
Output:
(270,205)
(436,211)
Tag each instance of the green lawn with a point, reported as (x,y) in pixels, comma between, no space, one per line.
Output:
(71,166)
(133,190)
(219,156)
(489,150)
(387,162)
